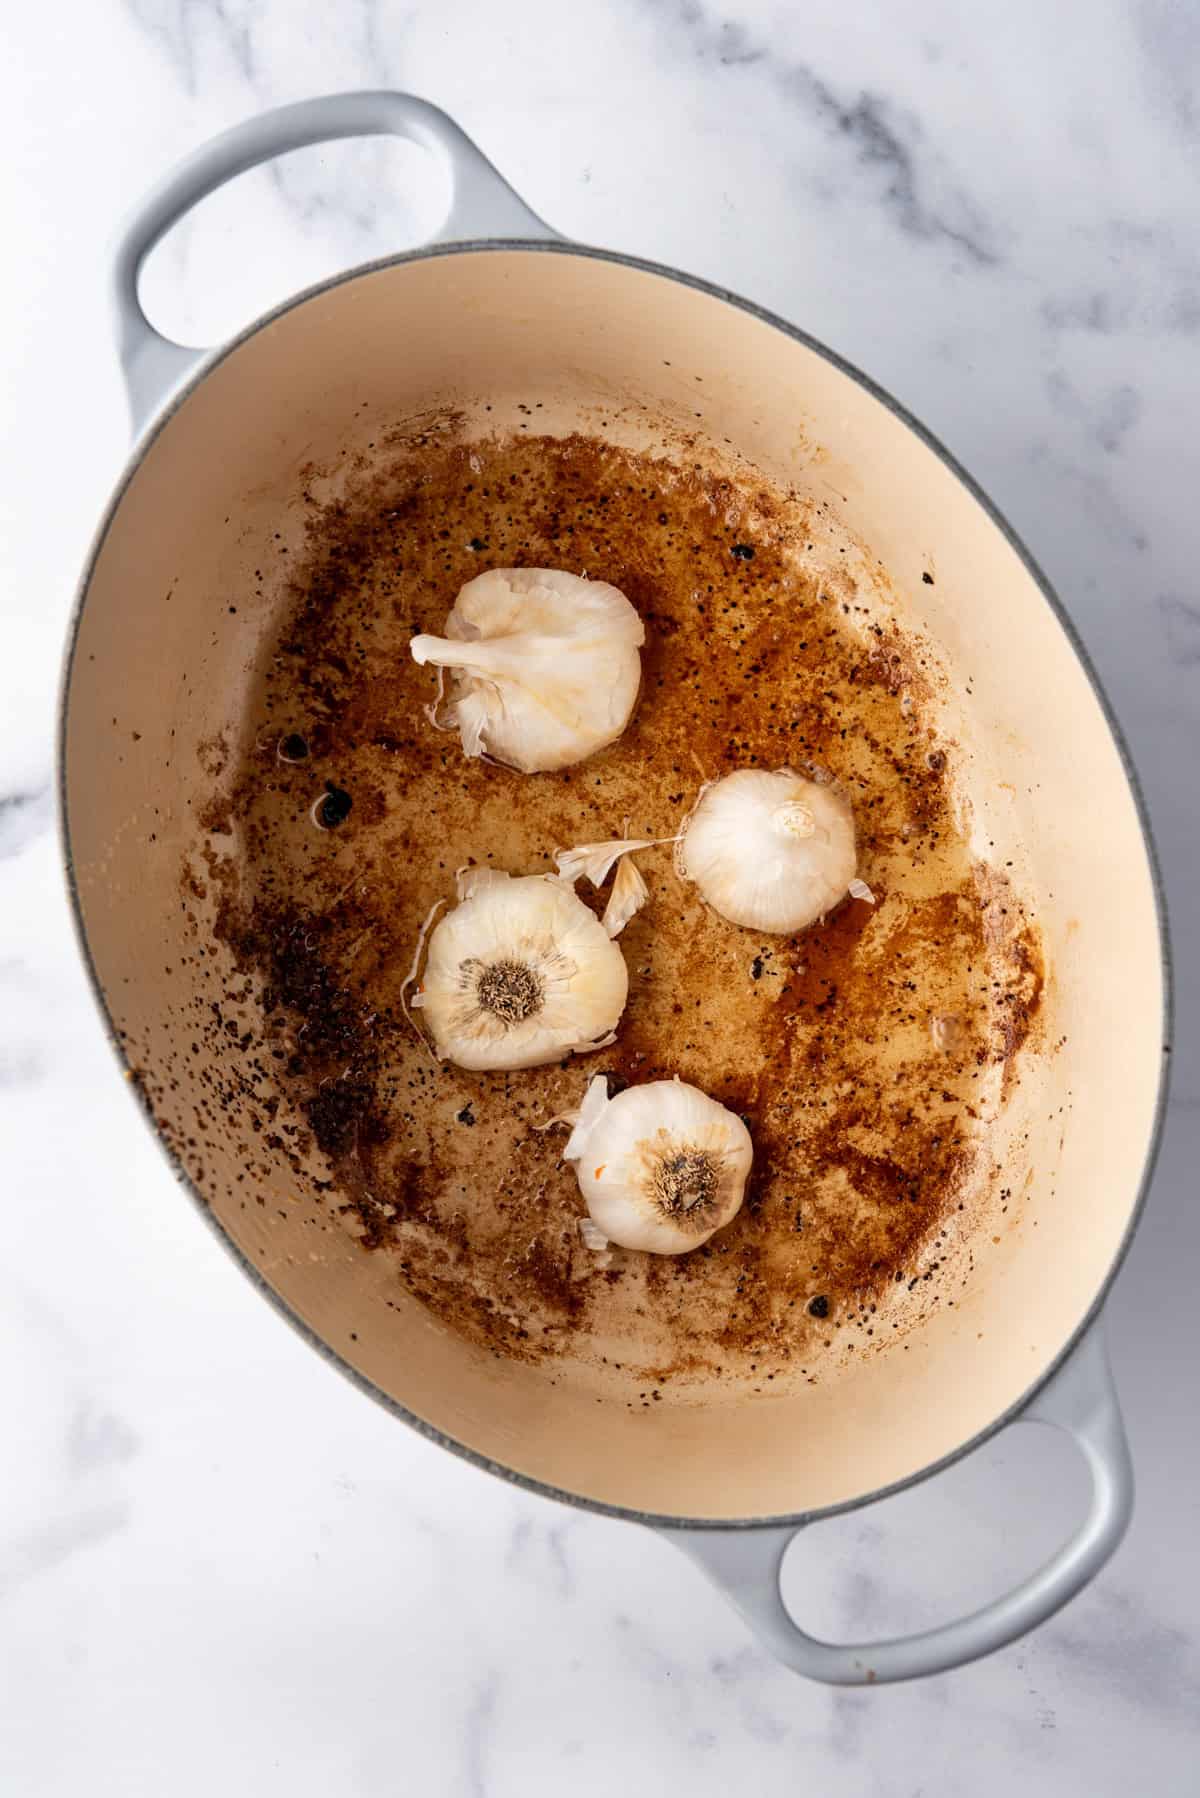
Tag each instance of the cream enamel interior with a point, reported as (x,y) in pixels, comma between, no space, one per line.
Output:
(160,654)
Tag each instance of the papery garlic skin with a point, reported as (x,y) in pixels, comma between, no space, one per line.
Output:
(661,1167)
(519,974)
(596,861)
(546,666)
(592,1236)
(629,894)
(771,851)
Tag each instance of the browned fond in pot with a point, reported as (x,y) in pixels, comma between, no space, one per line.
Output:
(869,1124)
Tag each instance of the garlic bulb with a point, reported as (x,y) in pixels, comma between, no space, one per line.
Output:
(518,974)
(661,1166)
(771,851)
(546,666)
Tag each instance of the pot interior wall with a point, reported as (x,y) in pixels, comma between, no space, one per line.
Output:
(173,619)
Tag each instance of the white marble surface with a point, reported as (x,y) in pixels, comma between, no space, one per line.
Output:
(221,1568)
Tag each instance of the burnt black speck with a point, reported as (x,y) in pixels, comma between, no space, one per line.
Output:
(818,1307)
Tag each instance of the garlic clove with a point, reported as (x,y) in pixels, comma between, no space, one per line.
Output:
(520,973)
(545,666)
(661,1167)
(771,851)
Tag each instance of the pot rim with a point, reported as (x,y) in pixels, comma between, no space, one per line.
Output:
(556,247)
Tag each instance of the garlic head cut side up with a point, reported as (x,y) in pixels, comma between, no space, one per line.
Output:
(661,1167)
(520,973)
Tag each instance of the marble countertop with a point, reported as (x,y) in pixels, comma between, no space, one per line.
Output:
(221,1567)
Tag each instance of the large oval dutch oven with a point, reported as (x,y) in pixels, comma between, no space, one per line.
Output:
(498,303)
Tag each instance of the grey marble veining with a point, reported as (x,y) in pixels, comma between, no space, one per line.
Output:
(220,1566)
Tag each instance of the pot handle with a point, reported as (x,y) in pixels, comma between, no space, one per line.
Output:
(482,205)
(745,1563)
